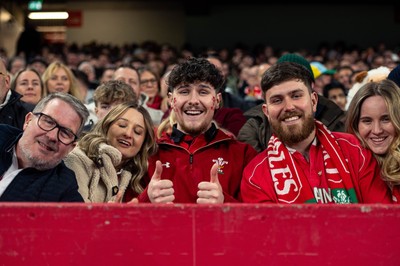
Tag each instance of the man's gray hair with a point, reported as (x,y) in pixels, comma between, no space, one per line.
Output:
(74,102)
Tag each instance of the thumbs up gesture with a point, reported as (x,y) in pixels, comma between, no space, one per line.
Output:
(160,190)
(210,192)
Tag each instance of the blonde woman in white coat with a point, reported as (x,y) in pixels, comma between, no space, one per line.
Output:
(110,162)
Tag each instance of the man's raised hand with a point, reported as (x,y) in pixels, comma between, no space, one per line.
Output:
(160,190)
(210,192)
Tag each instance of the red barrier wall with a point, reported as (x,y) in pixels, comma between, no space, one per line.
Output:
(231,234)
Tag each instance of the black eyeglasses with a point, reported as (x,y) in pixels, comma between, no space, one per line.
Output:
(145,81)
(47,123)
(3,74)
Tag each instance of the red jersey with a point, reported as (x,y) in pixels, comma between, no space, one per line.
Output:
(188,165)
(258,185)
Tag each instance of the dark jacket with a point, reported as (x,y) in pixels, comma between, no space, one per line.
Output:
(31,185)
(257,131)
(232,101)
(14,112)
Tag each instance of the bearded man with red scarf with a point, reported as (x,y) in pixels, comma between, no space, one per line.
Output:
(304,162)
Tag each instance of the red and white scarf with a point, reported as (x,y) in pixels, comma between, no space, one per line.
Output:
(291,183)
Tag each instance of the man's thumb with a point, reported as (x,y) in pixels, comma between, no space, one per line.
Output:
(214,173)
(158,171)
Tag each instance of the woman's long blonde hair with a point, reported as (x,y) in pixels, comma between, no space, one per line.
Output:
(167,124)
(390,92)
(138,165)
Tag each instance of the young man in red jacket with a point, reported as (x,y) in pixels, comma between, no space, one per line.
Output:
(304,162)
(196,162)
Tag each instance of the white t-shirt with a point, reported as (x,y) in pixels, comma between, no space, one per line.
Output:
(10,174)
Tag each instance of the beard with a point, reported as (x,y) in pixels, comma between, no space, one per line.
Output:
(293,134)
(36,162)
(195,130)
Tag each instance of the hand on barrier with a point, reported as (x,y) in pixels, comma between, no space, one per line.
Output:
(210,192)
(133,201)
(160,190)
(117,198)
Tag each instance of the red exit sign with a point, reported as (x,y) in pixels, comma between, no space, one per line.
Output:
(75,18)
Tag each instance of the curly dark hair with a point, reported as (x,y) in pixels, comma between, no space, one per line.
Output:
(195,70)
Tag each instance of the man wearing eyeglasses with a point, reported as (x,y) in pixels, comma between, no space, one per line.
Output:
(31,166)
(131,77)
(12,109)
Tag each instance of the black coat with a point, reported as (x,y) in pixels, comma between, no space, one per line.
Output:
(14,112)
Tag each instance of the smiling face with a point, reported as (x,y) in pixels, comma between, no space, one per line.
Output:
(127,133)
(149,84)
(290,109)
(58,81)
(375,126)
(41,149)
(29,86)
(194,106)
